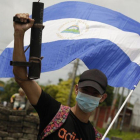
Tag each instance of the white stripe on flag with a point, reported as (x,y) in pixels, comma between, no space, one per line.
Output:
(129,42)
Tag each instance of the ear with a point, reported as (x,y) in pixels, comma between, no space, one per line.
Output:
(76,89)
(103,97)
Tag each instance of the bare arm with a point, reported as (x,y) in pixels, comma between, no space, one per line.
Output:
(31,88)
(11,100)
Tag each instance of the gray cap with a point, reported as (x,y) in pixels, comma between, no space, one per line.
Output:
(93,78)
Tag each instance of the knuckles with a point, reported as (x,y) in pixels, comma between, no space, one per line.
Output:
(22,15)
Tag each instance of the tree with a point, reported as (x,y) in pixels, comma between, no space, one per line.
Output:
(109,99)
(52,90)
(10,88)
(59,92)
(63,92)
(2,84)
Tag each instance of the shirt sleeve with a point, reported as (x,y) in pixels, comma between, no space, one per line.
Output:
(14,95)
(47,107)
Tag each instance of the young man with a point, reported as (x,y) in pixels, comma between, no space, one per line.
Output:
(90,91)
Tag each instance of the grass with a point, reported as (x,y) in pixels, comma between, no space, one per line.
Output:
(124,135)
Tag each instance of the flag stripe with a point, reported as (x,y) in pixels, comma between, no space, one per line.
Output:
(87,11)
(127,41)
(91,52)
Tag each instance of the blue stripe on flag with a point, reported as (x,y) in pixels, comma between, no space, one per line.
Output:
(87,11)
(95,53)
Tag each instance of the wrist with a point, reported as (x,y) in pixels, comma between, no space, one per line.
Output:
(19,33)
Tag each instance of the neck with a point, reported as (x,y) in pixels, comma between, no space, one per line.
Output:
(82,116)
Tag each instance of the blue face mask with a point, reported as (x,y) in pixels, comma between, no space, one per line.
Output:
(87,103)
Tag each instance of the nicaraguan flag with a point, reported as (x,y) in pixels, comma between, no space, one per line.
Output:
(101,38)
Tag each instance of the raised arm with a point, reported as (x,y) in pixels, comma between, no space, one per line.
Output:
(31,88)
(12,99)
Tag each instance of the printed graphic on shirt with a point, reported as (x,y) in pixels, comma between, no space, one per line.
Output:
(64,135)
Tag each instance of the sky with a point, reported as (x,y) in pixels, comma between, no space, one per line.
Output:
(8,8)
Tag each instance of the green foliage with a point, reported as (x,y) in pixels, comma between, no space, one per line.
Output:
(52,90)
(63,92)
(60,80)
(2,83)
(124,135)
(59,92)
(10,88)
(42,86)
(109,99)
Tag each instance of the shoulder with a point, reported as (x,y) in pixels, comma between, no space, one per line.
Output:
(14,95)
(98,135)
(46,97)
(47,102)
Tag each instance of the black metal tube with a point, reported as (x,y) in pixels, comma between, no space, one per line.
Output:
(36,38)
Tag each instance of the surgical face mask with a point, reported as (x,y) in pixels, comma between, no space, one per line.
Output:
(87,103)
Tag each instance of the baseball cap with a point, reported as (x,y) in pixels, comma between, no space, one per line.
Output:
(93,78)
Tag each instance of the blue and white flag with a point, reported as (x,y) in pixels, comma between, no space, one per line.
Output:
(101,38)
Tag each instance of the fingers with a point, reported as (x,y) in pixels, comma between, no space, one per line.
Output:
(23,16)
(31,20)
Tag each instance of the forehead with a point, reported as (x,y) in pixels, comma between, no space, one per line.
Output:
(21,92)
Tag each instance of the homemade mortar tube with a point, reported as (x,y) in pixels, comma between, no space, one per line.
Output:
(36,39)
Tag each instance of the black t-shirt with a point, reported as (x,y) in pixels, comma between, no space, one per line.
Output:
(72,129)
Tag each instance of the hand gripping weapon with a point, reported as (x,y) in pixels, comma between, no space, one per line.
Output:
(35,58)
